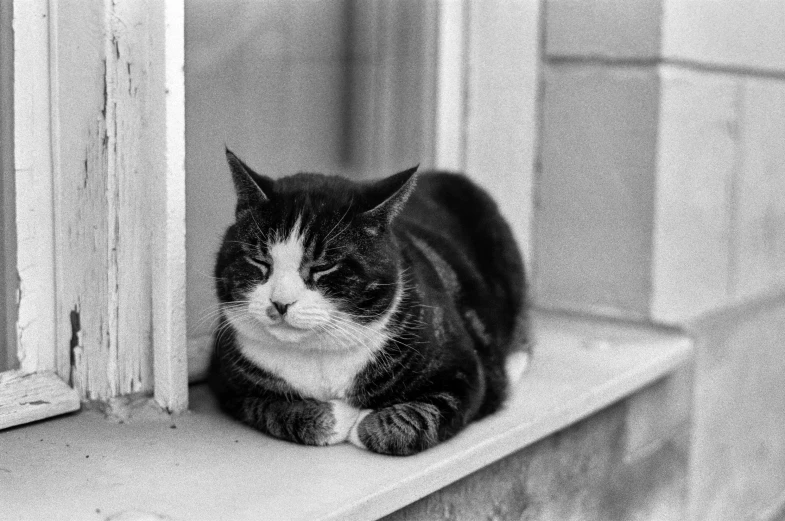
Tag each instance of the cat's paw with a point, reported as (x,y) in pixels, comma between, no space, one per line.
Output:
(354,436)
(345,417)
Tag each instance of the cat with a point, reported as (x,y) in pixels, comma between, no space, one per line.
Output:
(388,314)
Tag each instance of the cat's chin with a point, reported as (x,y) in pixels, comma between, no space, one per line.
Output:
(285,333)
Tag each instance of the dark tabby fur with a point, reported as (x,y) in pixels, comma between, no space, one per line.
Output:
(437,239)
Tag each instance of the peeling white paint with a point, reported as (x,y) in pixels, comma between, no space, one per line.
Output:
(34,218)
(119,192)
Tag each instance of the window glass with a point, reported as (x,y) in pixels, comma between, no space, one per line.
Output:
(341,87)
(7,258)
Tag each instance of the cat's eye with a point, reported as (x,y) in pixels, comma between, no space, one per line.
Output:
(260,263)
(321,270)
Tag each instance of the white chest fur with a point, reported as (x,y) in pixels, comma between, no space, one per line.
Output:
(324,375)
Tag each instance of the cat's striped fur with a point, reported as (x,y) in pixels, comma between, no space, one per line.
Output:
(381,313)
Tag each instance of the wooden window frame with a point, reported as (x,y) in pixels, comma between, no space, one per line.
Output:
(34,390)
(139,155)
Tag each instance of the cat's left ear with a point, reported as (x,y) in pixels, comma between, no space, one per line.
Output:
(387,197)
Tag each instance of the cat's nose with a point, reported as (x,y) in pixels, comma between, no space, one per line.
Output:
(281,307)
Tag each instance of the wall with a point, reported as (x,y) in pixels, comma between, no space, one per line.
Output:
(334,87)
(686,171)
(662,197)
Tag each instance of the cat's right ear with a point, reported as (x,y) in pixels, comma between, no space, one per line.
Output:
(252,189)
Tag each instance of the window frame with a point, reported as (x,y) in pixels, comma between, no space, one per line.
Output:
(33,391)
(69,78)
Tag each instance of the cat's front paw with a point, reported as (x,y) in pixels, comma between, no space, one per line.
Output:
(398,430)
(345,417)
(354,436)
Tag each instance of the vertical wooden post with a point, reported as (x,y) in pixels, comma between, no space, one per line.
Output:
(118,150)
(35,330)
(169,340)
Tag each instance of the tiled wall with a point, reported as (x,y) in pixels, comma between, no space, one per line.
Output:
(662,185)
(661,196)
(721,183)
(742,35)
(594,205)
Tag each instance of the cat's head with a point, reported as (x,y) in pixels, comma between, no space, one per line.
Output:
(310,259)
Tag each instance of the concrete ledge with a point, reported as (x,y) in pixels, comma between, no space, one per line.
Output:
(579,473)
(205,466)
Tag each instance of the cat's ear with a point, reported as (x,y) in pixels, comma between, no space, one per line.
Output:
(252,188)
(386,198)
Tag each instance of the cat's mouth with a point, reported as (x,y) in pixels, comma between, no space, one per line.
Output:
(285,326)
(286,332)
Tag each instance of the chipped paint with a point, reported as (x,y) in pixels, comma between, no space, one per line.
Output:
(103,201)
(76,342)
(33,188)
(108,127)
(35,402)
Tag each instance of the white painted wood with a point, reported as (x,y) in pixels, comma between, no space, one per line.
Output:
(34,218)
(99,181)
(27,397)
(33,391)
(80,133)
(120,203)
(451,90)
(579,367)
(24,395)
(169,341)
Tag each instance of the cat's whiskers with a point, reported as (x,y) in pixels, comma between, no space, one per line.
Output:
(239,313)
(349,336)
(221,330)
(208,276)
(339,341)
(353,336)
(213,313)
(365,335)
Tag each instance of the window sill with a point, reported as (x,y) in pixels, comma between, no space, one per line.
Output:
(203,465)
